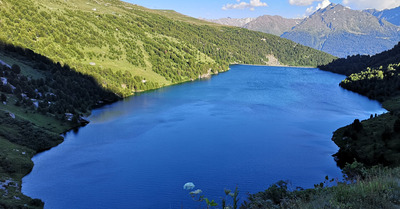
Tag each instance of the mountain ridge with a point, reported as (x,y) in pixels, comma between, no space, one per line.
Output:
(390,15)
(237,22)
(341,31)
(101,38)
(337,30)
(275,25)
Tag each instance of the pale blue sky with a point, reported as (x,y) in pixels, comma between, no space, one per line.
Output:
(212,9)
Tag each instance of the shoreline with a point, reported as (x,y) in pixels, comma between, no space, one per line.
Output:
(72,128)
(282,66)
(97,106)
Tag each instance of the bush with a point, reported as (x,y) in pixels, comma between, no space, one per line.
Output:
(3,98)
(16,69)
(357,125)
(36,203)
(354,171)
(396,126)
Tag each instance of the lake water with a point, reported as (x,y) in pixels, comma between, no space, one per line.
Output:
(248,127)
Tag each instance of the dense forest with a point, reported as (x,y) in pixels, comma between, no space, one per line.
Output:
(113,40)
(377,140)
(380,83)
(57,90)
(358,63)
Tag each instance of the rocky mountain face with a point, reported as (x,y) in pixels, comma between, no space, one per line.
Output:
(341,31)
(390,15)
(335,29)
(275,25)
(237,22)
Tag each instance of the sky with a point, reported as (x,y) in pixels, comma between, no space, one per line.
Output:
(213,9)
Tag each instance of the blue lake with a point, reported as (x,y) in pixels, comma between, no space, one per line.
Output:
(248,127)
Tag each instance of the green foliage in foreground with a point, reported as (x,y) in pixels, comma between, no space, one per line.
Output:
(363,188)
(230,201)
(100,38)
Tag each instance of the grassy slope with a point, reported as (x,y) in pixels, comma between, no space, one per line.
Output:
(377,77)
(15,160)
(160,46)
(377,140)
(378,188)
(25,129)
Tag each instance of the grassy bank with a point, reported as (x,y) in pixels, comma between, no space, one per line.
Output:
(375,187)
(15,159)
(40,100)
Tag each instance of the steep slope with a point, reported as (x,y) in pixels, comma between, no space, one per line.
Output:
(275,25)
(359,63)
(237,22)
(377,140)
(390,15)
(152,48)
(39,101)
(341,31)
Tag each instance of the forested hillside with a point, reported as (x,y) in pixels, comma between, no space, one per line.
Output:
(374,141)
(358,63)
(40,100)
(151,48)
(336,29)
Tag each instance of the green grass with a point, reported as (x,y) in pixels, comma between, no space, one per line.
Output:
(46,122)
(380,188)
(392,104)
(15,163)
(25,129)
(368,145)
(15,160)
(17,157)
(26,69)
(160,46)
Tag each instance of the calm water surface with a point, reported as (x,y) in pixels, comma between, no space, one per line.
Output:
(249,127)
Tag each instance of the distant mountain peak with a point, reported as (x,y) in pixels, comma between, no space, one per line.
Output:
(335,29)
(275,25)
(341,31)
(238,22)
(390,15)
